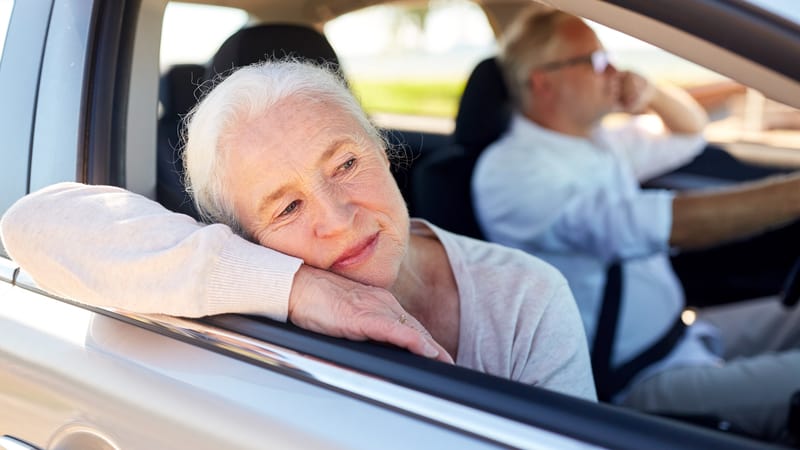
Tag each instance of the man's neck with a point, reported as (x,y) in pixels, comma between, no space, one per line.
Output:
(560,124)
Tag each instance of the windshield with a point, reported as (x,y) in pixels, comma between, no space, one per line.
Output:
(788,9)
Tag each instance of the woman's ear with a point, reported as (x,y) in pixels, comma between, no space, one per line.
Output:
(385,154)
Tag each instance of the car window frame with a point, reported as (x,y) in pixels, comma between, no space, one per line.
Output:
(757,29)
(735,55)
(20,68)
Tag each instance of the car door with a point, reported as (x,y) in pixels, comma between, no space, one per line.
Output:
(74,377)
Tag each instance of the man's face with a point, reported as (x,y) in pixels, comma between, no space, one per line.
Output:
(586,84)
(306,180)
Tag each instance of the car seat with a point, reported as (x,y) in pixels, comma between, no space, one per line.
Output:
(177,95)
(272,41)
(442,181)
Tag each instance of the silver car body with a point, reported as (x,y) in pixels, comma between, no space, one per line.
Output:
(74,377)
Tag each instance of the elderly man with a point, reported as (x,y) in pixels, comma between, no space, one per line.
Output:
(566,188)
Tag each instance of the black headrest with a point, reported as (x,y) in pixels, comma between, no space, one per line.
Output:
(177,88)
(485,110)
(272,41)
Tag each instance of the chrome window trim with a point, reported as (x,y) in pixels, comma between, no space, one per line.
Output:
(485,425)
(23,279)
(11,443)
(20,70)
(60,112)
(8,270)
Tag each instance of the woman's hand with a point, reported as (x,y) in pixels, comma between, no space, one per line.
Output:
(327,303)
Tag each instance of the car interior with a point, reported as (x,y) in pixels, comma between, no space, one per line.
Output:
(436,184)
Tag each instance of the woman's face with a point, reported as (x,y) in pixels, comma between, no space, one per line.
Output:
(306,180)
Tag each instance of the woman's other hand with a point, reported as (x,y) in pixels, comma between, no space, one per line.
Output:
(330,304)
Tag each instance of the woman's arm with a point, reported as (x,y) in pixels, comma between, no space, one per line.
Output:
(109,247)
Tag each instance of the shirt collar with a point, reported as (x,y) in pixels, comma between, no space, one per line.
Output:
(525,128)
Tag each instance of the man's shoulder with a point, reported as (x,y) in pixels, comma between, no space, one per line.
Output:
(512,154)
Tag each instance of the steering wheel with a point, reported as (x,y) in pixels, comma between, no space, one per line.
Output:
(791,289)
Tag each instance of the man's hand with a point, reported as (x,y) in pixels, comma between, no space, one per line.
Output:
(327,303)
(679,112)
(635,92)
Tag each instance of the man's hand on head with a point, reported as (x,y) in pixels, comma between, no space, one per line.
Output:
(330,304)
(635,92)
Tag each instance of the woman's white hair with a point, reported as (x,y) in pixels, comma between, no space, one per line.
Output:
(247,93)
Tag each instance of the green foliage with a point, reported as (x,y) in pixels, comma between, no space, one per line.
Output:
(437,98)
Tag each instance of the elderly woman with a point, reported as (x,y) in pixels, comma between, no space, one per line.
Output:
(283,155)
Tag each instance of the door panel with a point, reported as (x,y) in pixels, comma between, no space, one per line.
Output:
(71,375)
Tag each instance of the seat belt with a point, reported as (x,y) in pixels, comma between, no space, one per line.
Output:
(610,381)
(606,330)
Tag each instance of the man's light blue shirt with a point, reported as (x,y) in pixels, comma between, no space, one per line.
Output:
(576,203)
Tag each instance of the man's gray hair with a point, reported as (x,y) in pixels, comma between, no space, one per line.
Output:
(530,41)
(247,93)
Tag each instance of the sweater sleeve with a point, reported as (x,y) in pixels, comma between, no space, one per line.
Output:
(109,247)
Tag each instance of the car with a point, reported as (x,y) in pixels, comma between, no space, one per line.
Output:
(80,86)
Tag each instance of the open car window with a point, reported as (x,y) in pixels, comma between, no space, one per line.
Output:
(192,33)
(381,75)
(412,70)
(747,124)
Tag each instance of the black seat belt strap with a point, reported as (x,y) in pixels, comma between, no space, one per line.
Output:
(606,331)
(623,375)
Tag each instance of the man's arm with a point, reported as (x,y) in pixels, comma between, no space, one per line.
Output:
(705,219)
(679,112)
(109,247)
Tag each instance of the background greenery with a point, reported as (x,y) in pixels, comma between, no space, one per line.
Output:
(438,98)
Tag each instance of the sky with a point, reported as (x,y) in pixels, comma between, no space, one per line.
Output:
(787,8)
(5,14)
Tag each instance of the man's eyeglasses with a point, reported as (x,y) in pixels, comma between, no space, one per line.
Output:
(598,59)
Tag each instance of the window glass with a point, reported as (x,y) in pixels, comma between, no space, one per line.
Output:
(788,9)
(5,14)
(412,59)
(628,52)
(193,33)
(746,123)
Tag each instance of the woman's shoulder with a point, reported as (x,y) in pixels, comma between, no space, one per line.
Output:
(497,268)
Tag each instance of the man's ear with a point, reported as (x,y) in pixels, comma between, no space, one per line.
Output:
(539,81)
